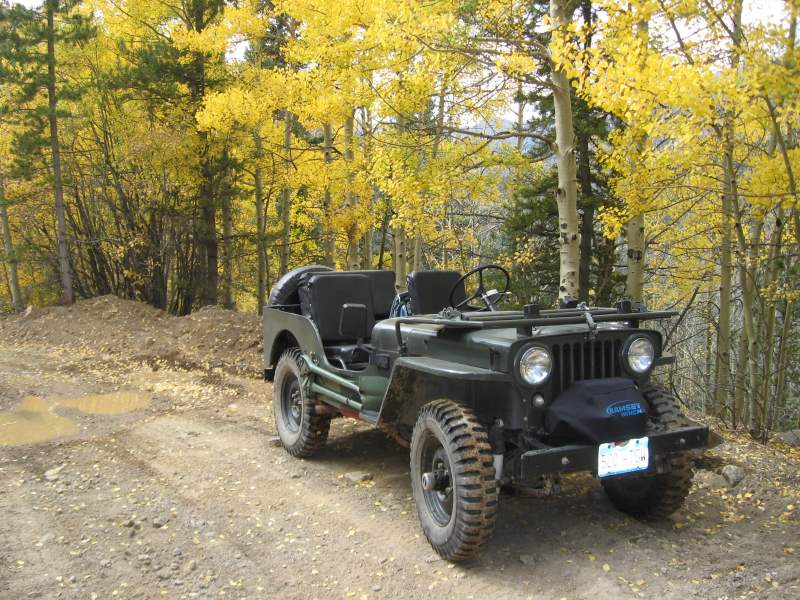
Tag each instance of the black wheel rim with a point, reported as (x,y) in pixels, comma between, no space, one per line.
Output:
(292,404)
(440,500)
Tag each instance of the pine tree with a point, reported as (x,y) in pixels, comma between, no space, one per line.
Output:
(30,42)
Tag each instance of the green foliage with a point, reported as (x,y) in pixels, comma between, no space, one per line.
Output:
(25,70)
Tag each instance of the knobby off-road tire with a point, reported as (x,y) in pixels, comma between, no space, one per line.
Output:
(301,431)
(655,496)
(459,519)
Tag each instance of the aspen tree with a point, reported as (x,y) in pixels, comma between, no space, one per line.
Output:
(328,233)
(564,149)
(11,259)
(286,196)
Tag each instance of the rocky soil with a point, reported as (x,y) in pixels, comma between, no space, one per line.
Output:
(190,497)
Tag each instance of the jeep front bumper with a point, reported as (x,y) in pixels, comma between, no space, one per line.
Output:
(566,459)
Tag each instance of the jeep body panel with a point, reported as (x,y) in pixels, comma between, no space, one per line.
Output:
(283,329)
(415,381)
(472,358)
(455,387)
(446,368)
(433,357)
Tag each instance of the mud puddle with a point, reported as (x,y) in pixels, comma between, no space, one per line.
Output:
(36,421)
(115,403)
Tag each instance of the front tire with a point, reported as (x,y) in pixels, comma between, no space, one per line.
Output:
(655,496)
(453,480)
(301,430)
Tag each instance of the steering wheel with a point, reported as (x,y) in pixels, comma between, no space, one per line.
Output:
(481,292)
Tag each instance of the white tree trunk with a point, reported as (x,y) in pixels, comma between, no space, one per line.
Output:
(567,192)
(520,118)
(634,234)
(227,250)
(286,197)
(368,246)
(353,254)
(723,358)
(368,241)
(399,258)
(258,181)
(417,260)
(8,248)
(634,229)
(328,234)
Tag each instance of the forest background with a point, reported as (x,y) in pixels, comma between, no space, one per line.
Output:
(189,152)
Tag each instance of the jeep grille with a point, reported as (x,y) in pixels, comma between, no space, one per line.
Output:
(594,359)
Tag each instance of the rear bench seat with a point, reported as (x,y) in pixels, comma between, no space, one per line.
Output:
(380,282)
(322,296)
(383,291)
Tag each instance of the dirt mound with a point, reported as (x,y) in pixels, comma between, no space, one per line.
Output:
(211,338)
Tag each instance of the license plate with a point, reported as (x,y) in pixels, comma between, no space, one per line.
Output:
(617,458)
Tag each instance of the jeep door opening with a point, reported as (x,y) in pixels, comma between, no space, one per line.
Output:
(483,397)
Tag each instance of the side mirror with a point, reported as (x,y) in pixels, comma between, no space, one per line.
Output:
(354,322)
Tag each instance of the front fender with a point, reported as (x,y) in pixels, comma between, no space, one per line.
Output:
(416,380)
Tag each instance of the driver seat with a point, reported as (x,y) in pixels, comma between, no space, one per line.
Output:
(429,291)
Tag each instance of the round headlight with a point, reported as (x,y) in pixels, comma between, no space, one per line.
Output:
(535,365)
(640,354)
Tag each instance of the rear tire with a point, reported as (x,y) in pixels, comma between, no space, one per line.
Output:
(301,430)
(655,496)
(458,516)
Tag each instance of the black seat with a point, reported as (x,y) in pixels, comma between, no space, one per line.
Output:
(323,295)
(347,356)
(383,291)
(429,291)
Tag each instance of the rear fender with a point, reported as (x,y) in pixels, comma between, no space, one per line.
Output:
(284,330)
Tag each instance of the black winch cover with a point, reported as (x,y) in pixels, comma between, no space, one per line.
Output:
(596,411)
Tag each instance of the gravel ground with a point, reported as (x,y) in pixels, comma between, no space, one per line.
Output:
(169,484)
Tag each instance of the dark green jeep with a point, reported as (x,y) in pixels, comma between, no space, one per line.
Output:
(483,397)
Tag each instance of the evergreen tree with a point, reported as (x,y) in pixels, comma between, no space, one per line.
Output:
(532,224)
(29,42)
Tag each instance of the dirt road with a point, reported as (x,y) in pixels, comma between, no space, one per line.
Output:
(179,490)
